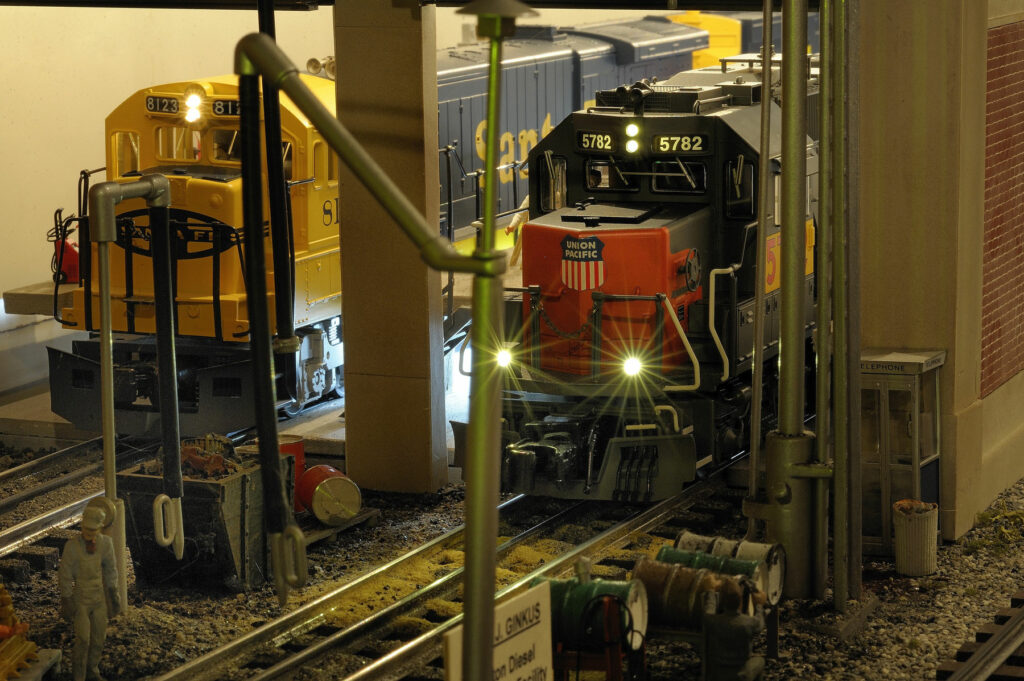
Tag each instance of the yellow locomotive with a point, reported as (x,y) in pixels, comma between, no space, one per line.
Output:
(189,132)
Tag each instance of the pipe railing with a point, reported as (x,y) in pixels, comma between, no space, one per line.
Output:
(255,55)
(103,198)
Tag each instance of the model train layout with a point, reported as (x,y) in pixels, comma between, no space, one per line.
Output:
(188,131)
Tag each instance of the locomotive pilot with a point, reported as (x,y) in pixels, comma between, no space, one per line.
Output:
(87,578)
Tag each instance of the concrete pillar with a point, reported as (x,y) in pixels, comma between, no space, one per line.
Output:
(921,139)
(394,387)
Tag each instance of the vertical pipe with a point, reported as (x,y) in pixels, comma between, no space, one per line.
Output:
(167,366)
(482,464)
(763,210)
(274,506)
(794,203)
(850,163)
(843,530)
(280,226)
(107,372)
(823,278)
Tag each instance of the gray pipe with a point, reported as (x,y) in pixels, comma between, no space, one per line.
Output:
(257,53)
(763,210)
(794,202)
(103,198)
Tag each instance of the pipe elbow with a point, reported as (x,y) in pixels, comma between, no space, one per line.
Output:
(159,193)
(102,199)
(257,53)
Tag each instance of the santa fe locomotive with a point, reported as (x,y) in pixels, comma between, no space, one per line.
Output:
(189,132)
(630,342)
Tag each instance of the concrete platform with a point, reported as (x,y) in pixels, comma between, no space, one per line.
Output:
(26,420)
(37,298)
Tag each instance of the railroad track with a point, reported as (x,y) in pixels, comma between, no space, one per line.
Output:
(404,636)
(130,452)
(17,537)
(996,654)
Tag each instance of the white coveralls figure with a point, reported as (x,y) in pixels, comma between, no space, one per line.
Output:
(87,577)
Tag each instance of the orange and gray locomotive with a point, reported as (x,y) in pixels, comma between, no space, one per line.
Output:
(630,343)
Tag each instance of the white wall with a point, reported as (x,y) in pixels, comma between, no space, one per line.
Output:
(64,69)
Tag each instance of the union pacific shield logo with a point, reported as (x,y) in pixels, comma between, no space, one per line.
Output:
(582,262)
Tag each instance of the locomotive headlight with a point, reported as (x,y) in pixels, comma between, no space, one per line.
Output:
(632,130)
(632,146)
(504,358)
(632,366)
(193,100)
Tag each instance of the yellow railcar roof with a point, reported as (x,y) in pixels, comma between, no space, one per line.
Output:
(227,85)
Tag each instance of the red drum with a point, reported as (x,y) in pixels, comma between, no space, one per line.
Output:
(331,496)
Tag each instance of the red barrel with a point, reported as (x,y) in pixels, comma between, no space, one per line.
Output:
(331,496)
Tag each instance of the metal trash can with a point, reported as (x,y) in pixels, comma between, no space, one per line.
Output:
(916,526)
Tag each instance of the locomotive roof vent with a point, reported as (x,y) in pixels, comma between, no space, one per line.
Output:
(661,99)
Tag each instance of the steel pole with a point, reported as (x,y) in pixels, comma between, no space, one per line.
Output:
(763,216)
(483,438)
(847,163)
(794,212)
(823,277)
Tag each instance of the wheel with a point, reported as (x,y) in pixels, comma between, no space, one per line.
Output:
(292,409)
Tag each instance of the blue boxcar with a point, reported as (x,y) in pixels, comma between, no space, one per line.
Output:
(547,74)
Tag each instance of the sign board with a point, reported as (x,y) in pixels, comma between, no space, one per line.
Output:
(522,640)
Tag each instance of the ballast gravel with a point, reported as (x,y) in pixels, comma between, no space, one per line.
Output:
(917,623)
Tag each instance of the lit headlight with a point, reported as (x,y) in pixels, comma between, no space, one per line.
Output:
(632,366)
(632,146)
(504,358)
(193,101)
(192,115)
(632,130)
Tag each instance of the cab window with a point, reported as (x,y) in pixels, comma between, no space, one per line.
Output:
(552,182)
(126,153)
(176,143)
(612,175)
(227,145)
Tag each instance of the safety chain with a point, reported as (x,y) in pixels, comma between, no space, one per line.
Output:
(575,335)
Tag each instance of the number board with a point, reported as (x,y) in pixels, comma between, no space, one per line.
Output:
(164,105)
(595,141)
(226,107)
(680,144)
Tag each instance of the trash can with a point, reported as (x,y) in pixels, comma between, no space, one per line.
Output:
(916,526)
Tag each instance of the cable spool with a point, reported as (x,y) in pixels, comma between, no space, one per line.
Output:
(700,560)
(771,574)
(578,615)
(676,592)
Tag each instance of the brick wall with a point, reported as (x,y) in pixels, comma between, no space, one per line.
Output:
(1002,339)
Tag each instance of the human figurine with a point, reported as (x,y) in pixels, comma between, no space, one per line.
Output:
(729,639)
(88,577)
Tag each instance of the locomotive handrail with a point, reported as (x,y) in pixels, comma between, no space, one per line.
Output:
(713,276)
(258,54)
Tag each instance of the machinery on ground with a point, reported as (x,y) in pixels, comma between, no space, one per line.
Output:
(630,343)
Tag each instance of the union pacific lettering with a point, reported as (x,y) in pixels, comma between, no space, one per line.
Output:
(527,138)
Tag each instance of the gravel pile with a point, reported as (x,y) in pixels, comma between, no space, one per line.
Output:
(918,622)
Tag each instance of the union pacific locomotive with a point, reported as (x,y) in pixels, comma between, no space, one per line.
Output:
(631,339)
